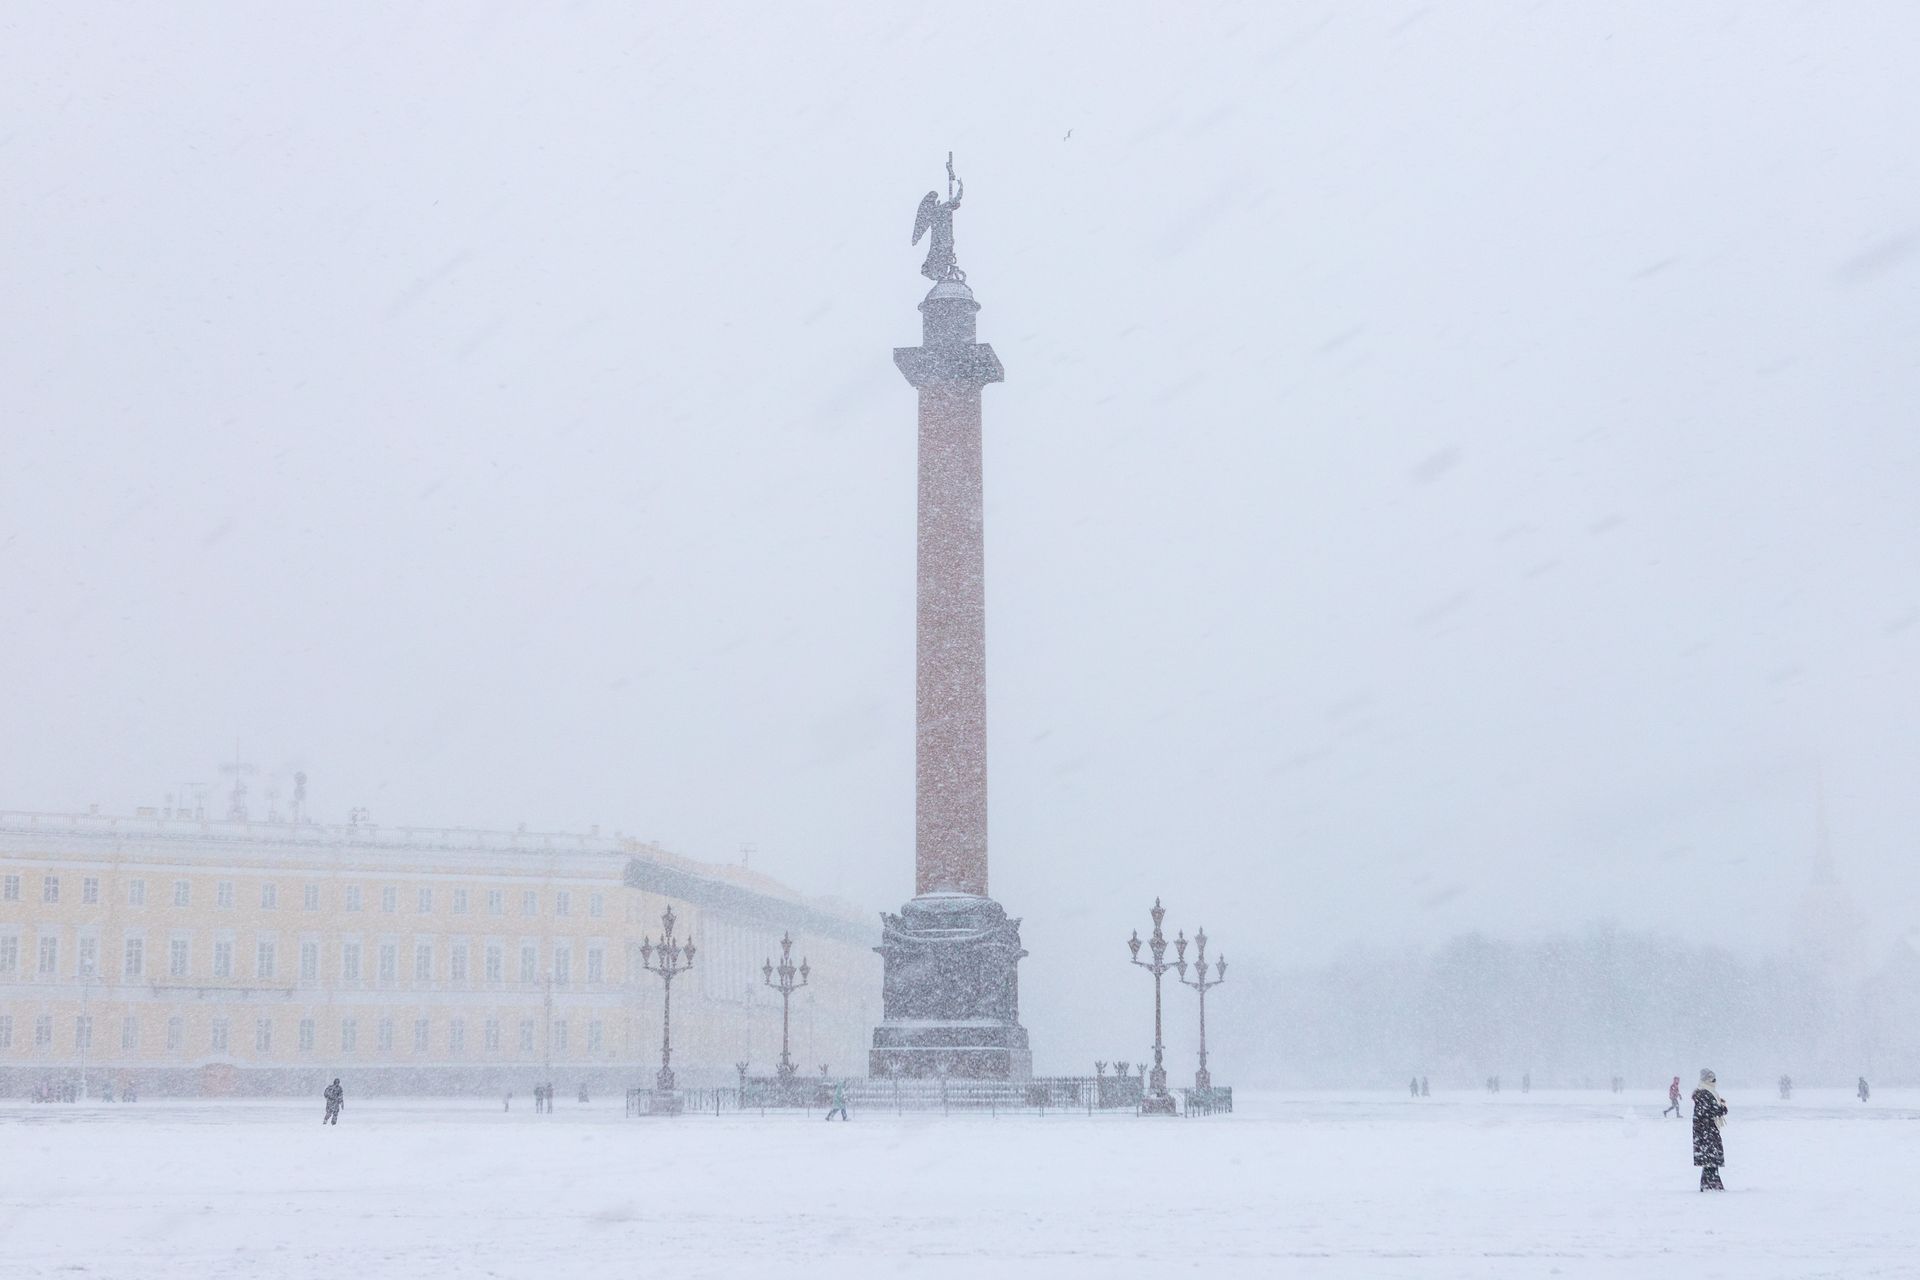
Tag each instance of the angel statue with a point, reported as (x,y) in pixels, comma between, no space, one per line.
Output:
(937,217)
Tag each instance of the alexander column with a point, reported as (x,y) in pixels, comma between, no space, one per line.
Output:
(951,997)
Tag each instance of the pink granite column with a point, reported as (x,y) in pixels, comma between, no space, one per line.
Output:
(949,369)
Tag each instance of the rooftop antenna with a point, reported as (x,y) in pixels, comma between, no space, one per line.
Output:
(199,791)
(746,855)
(237,798)
(299,795)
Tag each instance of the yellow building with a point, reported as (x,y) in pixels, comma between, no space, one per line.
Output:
(182,955)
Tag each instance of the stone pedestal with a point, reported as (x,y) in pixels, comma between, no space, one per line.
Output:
(951,999)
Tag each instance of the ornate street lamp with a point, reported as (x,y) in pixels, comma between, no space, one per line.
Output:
(786,987)
(1157,1102)
(666,960)
(1203,984)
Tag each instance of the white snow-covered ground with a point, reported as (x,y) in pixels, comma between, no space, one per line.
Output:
(1307,1185)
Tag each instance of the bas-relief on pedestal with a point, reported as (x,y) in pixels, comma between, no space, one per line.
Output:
(951,1002)
(951,996)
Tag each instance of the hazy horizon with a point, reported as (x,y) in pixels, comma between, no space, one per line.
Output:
(1454,470)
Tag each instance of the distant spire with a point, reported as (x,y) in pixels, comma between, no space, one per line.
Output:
(1824,870)
(1830,924)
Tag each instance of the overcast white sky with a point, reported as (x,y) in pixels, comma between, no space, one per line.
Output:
(1457,464)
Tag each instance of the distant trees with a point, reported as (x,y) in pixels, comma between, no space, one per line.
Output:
(1576,1010)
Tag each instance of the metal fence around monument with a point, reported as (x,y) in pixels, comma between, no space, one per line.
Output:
(1037,1096)
(1042,1095)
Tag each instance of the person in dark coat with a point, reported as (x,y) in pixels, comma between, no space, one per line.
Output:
(1709,1113)
(1413,1087)
(336,1097)
(1862,1089)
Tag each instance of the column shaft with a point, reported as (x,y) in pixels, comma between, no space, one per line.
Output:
(951,706)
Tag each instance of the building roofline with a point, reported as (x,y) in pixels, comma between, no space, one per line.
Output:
(635,863)
(745,902)
(305,834)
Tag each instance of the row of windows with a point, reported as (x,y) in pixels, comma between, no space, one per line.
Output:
(353,899)
(382,962)
(219,1034)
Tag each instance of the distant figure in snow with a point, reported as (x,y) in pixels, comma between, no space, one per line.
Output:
(1709,1114)
(506,1103)
(1862,1089)
(583,1093)
(1526,1082)
(1786,1087)
(336,1097)
(1673,1098)
(1413,1087)
(1423,1086)
(839,1101)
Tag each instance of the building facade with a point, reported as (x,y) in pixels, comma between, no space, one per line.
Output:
(180,955)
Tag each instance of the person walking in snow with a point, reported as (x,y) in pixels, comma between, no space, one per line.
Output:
(1673,1098)
(1862,1089)
(1423,1086)
(336,1097)
(1413,1087)
(839,1101)
(1786,1087)
(1709,1114)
